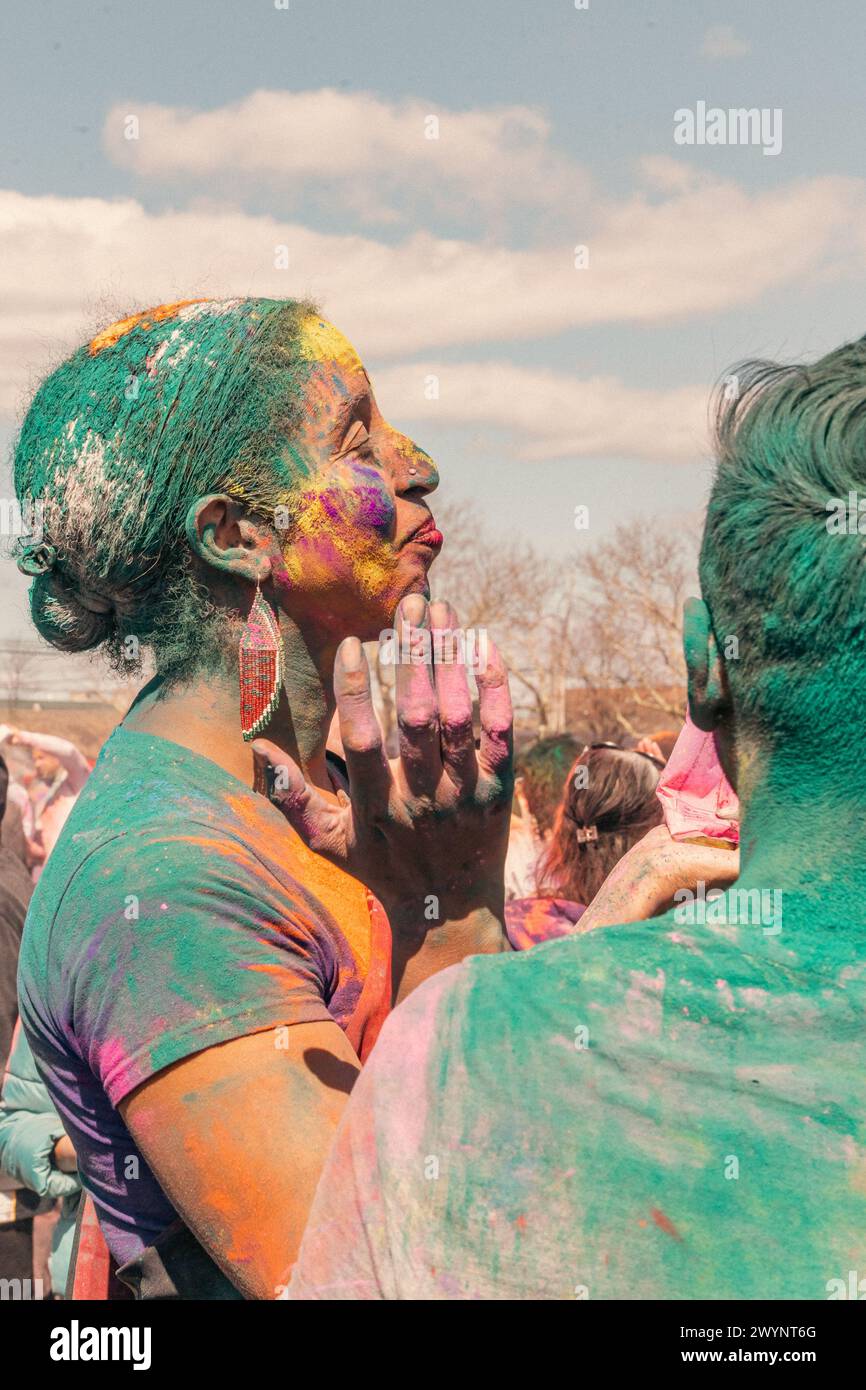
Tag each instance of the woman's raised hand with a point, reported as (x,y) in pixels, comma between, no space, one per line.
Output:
(430,826)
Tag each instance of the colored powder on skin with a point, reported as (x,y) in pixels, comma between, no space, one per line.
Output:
(375,505)
(330,523)
(338,520)
(322,342)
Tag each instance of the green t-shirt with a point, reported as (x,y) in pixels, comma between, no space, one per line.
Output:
(653,1111)
(178,911)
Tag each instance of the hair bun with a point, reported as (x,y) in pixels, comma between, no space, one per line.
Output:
(64,620)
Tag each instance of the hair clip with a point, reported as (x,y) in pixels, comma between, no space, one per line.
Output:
(586,833)
(37,559)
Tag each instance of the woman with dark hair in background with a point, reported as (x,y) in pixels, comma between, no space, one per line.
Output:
(608,803)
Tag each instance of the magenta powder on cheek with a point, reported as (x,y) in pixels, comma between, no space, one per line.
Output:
(330,505)
(375,507)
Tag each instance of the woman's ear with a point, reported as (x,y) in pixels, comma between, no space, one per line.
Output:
(222,534)
(709,694)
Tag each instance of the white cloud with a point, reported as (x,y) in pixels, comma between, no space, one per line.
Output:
(550,414)
(668,175)
(68,265)
(722,41)
(374,155)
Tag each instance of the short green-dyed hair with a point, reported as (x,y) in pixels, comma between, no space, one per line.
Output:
(789,440)
(157,410)
(544,767)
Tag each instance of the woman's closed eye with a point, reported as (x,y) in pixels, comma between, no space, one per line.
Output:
(356,440)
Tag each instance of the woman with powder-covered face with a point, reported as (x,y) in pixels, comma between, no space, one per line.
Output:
(204,967)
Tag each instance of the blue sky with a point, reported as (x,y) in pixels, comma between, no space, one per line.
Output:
(305,127)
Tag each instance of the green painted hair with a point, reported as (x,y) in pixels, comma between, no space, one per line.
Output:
(544,768)
(158,410)
(789,440)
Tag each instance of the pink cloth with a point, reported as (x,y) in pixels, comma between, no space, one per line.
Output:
(696,796)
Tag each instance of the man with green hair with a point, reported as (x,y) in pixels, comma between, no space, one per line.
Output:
(670,1108)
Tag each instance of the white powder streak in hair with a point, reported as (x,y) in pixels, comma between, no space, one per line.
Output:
(155,360)
(91,499)
(211,308)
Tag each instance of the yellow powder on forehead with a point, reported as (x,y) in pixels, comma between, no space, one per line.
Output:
(322,342)
(109,336)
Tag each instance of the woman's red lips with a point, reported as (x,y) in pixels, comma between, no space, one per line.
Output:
(428,534)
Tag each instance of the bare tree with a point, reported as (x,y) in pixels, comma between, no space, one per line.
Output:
(15,660)
(593,642)
(526,600)
(631,660)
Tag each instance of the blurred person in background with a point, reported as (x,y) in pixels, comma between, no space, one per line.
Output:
(541,770)
(62,770)
(17,1205)
(660,744)
(37,1153)
(16,827)
(607,804)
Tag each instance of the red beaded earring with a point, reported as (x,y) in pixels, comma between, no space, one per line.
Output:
(261,662)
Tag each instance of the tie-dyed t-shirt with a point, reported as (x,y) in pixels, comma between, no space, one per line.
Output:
(177,911)
(530,921)
(654,1111)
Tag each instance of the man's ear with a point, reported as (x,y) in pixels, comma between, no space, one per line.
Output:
(222,535)
(709,696)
